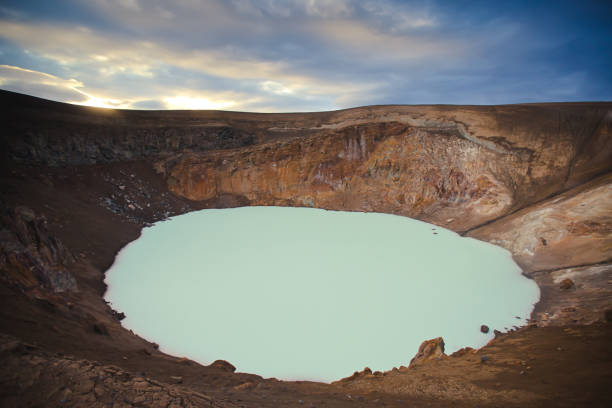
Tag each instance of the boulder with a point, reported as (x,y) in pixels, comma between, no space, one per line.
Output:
(429,350)
(566,284)
(223,365)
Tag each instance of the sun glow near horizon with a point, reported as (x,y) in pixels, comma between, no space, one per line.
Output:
(96,102)
(180,102)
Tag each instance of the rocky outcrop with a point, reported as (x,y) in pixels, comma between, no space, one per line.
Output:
(429,350)
(223,365)
(30,257)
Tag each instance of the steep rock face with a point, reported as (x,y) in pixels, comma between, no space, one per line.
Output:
(376,167)
(421,162)
(429,350)
(49,144)
(30,257)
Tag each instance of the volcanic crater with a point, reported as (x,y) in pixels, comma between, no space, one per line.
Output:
(80,183)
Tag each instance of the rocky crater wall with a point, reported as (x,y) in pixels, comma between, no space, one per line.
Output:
(457,167)
(79,183)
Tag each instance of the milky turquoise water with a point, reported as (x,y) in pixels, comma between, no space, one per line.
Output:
(301,293)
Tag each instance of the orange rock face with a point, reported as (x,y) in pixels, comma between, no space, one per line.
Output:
(429,350)
(385,168)
(439,165)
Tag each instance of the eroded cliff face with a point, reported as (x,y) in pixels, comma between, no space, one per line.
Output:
(31,258)
(453,167)
(379,167)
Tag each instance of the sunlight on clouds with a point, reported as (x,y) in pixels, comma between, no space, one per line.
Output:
(143,58)
(113,55)
(50,86)
(134,69)
(97,102)
(10,73)
(287,55)
(275,88)
(65,48)
(194,103)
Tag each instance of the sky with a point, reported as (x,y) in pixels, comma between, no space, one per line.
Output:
(305,55)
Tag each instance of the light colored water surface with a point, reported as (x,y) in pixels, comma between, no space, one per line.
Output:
(300,293)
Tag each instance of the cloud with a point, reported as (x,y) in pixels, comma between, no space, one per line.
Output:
(40,84)
(400,18)
(49,86)
(70,90)
(288,8)
(359,39)
(129,4)
(296,55)
(194,103)
(104,58)
(275,88)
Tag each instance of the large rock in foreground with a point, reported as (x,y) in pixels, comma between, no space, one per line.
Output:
(429,350)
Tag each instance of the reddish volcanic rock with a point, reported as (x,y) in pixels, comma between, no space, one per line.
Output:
(429,350)
(566,284)
(436,164)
